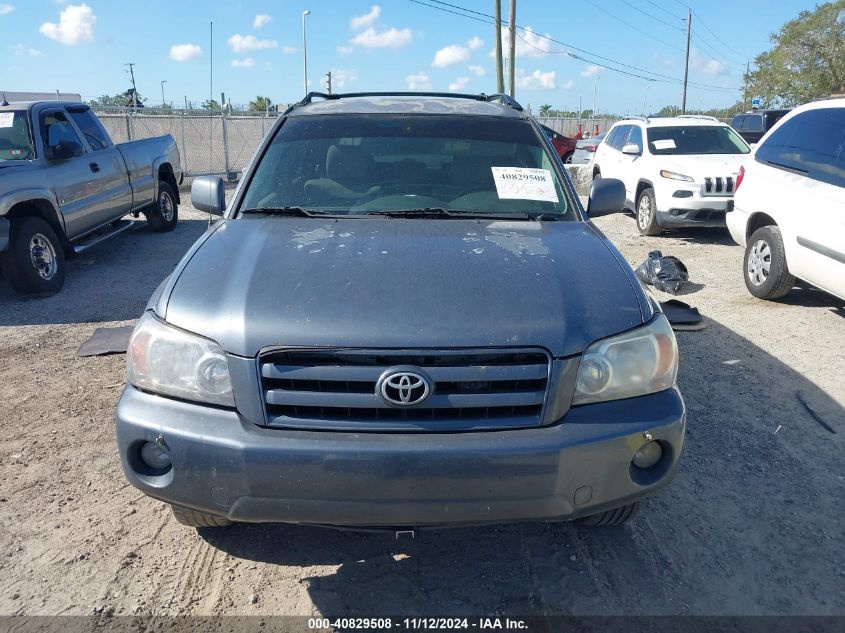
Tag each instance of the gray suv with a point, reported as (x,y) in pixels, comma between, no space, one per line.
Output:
(405,318)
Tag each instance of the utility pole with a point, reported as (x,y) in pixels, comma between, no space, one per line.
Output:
(329,81)
(163,81)
(686,64)
(305,51)
(512,48)
(500,75)
(745,92)
(134,89)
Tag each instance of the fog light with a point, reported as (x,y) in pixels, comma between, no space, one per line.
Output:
(155,456)
(648,455)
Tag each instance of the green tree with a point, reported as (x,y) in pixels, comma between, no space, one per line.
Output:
(210,105)
(121,99)
(260,104)
(807,60)
(545,110)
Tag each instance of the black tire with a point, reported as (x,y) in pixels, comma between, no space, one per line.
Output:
(617,516)
(34,263)
(163,214)
(194,518)
(646,213)
(596,173)
(567,158)
(765,248)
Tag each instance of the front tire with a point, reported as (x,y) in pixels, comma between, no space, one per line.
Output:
(647,213)
(567,158)
(194,518)
(610,518)
(34,264)
(163,214)
(764,265)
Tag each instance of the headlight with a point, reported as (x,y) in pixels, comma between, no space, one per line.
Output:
(165,360)
(671,175)
(635,363)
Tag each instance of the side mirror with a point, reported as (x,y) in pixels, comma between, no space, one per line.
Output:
(607,195)
(632,149)
(208,194)
(65,150)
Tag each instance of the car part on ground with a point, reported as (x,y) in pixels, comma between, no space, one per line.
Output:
(666,273)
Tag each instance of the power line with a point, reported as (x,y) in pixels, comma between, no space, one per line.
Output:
(629,25)
(716,37)
(728,63)
(489,20)
(653,17)
(665,10)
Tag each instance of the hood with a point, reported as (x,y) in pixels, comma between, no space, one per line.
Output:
(700,165)
(402,283)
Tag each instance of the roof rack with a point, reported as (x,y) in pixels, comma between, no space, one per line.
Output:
(505,99)
(644,119)
(698,116)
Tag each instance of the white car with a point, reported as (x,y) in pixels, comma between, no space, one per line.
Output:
(678,171)
(790,203)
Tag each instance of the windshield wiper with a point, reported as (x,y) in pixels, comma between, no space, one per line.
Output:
(440,213)
(287,211)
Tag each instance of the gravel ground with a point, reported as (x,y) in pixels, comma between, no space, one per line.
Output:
(753,524)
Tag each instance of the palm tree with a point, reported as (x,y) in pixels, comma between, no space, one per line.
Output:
(260,104)
(545,110)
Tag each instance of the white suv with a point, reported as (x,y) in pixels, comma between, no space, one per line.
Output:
(790,209)
(679,171)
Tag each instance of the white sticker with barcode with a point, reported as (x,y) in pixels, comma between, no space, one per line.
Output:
(7,119)
(522,183)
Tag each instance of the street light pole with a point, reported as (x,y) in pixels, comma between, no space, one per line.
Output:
(163,81)
(595,89)
(305,51)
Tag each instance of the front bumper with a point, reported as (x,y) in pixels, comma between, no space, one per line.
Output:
(705,211)
(225,465)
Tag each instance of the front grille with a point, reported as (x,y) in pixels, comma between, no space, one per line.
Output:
(719,186)
(339,389)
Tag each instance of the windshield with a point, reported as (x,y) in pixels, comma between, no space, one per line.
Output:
(356,165)
(695,139)
(15,139)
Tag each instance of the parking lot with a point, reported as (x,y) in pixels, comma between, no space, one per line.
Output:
(752,524)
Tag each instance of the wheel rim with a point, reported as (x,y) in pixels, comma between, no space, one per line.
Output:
(644,212)
(759,262)
(43,256)
(165,203)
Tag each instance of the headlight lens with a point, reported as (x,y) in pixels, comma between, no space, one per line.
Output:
(635,363)
(165,360)
(671,175)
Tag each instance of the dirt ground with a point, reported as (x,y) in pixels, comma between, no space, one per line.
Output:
(753,524)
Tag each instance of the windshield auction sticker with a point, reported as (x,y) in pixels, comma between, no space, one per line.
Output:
(521,183)
(7,119)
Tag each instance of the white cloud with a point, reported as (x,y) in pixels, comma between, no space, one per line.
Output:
(261,20)
(477,70)
(342,77)
(6,8)
(420,81)
(449,55)
(289,50)
(538,80)
(592,70)
(459,84)
(569,84)
(241,43)
(391,38)
(362,21)
(528,44)
(663,61)
(20,50)
(474,43)
(707,65)
(345,50)
(248,62)
(76,25)
(184,52)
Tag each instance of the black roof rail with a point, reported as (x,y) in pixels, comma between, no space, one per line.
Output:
(505,99)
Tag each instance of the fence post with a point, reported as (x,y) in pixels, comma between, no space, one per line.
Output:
(185,169)
(225,142)
(128,127)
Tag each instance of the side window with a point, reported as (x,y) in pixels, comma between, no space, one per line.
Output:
(737,121)
(56,129)
(753,123)
(619,138)
(87,122)
(636,137)
(608,140)
(812,143)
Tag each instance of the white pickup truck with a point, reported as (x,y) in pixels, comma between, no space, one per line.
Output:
(64,186)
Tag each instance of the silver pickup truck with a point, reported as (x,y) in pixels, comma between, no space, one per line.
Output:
(64,186)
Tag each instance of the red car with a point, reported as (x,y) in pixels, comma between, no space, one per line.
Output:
(563,145)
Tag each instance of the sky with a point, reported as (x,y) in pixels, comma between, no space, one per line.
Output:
(257,48)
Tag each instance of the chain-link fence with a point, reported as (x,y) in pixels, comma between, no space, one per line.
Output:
(569,127)
(210,143)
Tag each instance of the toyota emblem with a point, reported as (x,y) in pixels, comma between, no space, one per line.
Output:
(404,388)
